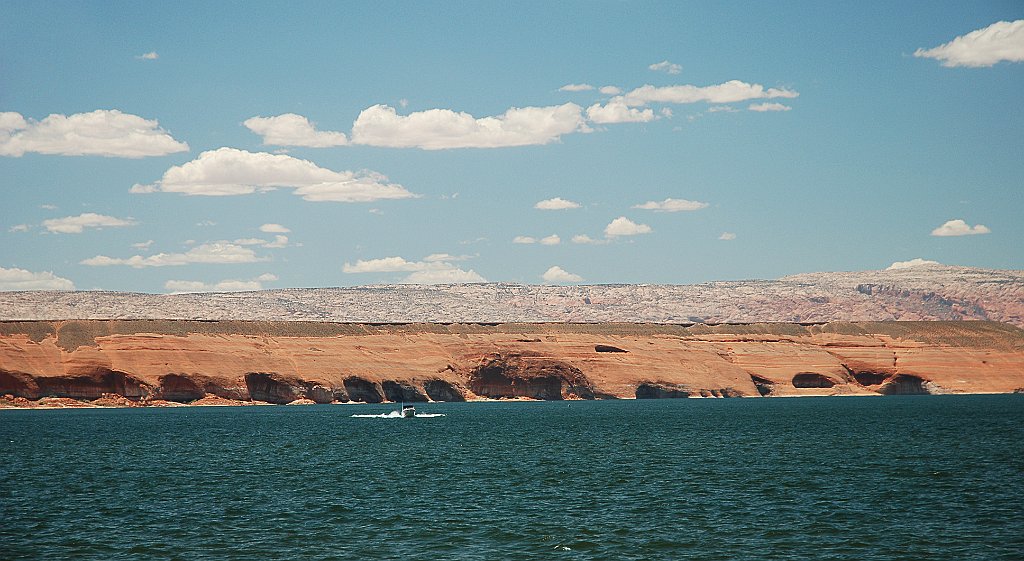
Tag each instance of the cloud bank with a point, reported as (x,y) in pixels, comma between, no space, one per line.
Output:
(230,171)
(219,253)
(290,129)
(77,224)
(432,270)
(1001,41)
(109,133)
(20,279)
(960,228)
(440,129)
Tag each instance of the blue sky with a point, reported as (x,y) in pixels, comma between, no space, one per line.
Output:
(786,137)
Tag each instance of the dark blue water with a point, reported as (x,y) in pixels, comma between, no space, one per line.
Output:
(931,477)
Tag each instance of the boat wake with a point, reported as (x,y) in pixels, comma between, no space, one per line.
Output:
(398,415)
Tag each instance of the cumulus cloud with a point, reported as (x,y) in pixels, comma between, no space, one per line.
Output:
(917,262)
(553,239)
(557,203)
(290,129)
(1003,40)
(576,88)
(279,242)
(729,92)
(616,111)
(727,236)
(229,285)
(558,274)
(218,252)
(229,171)
(766,106)
(671,205)
(151,55)
(666,66)
(585,239)
(960,228)
(623,226)
(610,90)
(20,279)
(76,224)
(274,229)
(421,272)
(439,129)
(108,133)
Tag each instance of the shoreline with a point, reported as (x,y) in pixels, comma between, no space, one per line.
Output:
(21,404)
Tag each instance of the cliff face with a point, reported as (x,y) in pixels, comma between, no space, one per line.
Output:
(185,361)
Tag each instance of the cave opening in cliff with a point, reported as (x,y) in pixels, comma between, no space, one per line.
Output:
(359,389)
(179,388)
(904,384)
(608,349)
(869,378)
(92,385)
(398,392)
(18,386)
(811,380)
(441,390)
(648,390)
(764,385)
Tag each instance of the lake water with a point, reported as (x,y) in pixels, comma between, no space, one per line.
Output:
(902,477)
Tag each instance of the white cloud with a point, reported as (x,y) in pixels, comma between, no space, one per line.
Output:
(151,55)
(48,207)
(290,129)
(722,109)
(610,90)
(1000,41)
(108,133)
(553,239)
(524,239)
(558,274)
(422,272)
(76,224)
(766,106)
(19,228)
(229,285)
(557,203)
(727,236)
(143,245)
(229,171)
(671,205)
(20,279)
(576,88)
(728,92)
(585,239)
(274,229)
(666,66)
(218,252)
(666,112)
(960,228)
(279,241)
(623,226)
(444,276)
(248,241)
(439,129)
(446,257)
(917,262)
(616,111)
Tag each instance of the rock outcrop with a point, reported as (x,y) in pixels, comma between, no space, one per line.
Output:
(145,362)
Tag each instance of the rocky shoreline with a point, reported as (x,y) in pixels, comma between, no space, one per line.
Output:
(111,363)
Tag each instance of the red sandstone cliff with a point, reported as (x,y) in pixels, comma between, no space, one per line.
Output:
(185,361)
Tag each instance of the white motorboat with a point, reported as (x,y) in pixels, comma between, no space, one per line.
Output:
(408,411)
